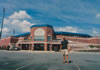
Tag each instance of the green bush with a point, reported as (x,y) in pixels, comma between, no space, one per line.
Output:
(91,46)
(98,46)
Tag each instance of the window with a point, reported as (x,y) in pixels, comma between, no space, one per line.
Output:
(39,35)
(49,38)
(39,38)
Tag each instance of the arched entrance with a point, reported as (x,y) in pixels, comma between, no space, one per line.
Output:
(39,47)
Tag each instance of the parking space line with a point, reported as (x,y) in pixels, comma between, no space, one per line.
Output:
(23,66)
(77,66)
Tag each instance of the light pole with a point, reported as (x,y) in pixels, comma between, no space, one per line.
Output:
(13,32)
(2,23)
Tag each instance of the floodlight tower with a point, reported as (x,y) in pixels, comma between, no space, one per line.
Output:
(2,23)
(13,32)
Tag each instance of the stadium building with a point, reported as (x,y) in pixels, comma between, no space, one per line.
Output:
(43,37)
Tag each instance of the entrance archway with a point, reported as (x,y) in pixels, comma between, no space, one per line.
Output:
(39,47)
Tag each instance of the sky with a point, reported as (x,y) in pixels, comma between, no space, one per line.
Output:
(78,16)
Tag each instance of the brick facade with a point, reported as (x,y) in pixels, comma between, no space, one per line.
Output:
(24,41)
(9,41)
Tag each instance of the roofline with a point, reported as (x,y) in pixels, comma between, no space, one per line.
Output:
(43,25)
(23,34)
(74,34)
(58,33)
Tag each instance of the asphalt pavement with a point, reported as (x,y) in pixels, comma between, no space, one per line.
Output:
(11,60)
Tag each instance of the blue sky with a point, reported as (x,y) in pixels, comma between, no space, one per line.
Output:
(79,16)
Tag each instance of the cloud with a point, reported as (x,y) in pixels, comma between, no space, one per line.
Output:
(98,15)
(95,32)
(18,21)
(21,26)
(19,15)
(5,30)
(67,29)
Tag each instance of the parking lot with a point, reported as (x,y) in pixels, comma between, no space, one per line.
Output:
(23,60)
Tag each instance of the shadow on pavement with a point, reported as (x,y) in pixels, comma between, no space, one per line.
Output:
(69,61)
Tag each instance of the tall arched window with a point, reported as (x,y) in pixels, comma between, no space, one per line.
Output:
(39,35)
